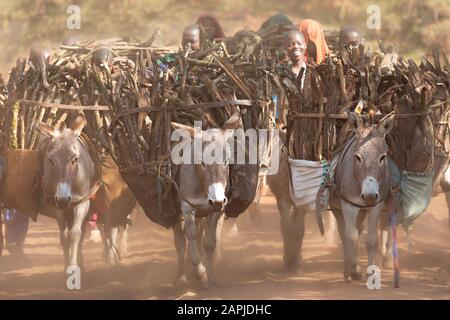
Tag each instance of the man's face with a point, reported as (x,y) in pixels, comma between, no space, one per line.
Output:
(210,28)
(352,40)
(192,37)
(295,46)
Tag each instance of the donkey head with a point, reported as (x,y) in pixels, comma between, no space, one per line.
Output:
(370,157)
(60,163)
(212,167)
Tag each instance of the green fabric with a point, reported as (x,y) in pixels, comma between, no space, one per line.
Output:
(168,58)
(414,196)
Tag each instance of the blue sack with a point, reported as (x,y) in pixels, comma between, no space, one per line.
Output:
(415,193)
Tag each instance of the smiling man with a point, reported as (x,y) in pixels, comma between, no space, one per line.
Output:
(295,46)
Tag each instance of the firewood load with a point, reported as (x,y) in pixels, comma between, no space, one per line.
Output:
(71,84)
(185,87)
(374,84)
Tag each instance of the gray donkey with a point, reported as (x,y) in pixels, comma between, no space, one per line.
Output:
(70,177)
(202,187)
(362,187)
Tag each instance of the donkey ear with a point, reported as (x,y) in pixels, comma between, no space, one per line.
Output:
(233,122)
(386,124)
(60,124)
(188,129)
(45,129)
(357,121)
(78,125)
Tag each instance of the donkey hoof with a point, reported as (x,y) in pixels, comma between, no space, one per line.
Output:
(293,268)
(356,276)
(204,282)
(181,280)
(347,276)
(354,273)
(112,261)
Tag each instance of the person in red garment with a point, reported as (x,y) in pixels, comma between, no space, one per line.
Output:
(212,28)
(317,48)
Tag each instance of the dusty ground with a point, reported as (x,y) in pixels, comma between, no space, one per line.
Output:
(251,267)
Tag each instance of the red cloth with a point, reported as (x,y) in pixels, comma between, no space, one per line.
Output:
(219,30)
(312,31)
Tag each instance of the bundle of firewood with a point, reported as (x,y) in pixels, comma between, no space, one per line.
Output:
(71,79)
(372,83)
(200,86)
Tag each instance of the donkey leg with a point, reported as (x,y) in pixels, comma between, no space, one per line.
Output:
(298,234)
(105,232)
(210,242)
(386,241)
(113,252)
(1,235)
(80,213)
(63,237)
(447,197)
(289,252)
(331,232)
(341,231)
(360,222)
(352,269)
(80,256)
(372,236)
(218,251)
(180,246)
(123,240)
(190,230)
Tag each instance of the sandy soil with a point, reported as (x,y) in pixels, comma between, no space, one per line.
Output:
(251,266)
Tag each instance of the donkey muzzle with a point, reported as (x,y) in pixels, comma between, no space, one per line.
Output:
(370,190)
(63,195)
(218,204)
(216,196)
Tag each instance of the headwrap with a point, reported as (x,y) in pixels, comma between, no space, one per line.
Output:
(276,20)
(313,32)
(215,21)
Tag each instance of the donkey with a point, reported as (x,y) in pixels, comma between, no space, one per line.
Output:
(202,187)
(362,187)
(70,177)
(292,218)
(71,174)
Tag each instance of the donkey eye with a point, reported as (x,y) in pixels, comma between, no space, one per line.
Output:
(74,160)
(383,157)
(358,157)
